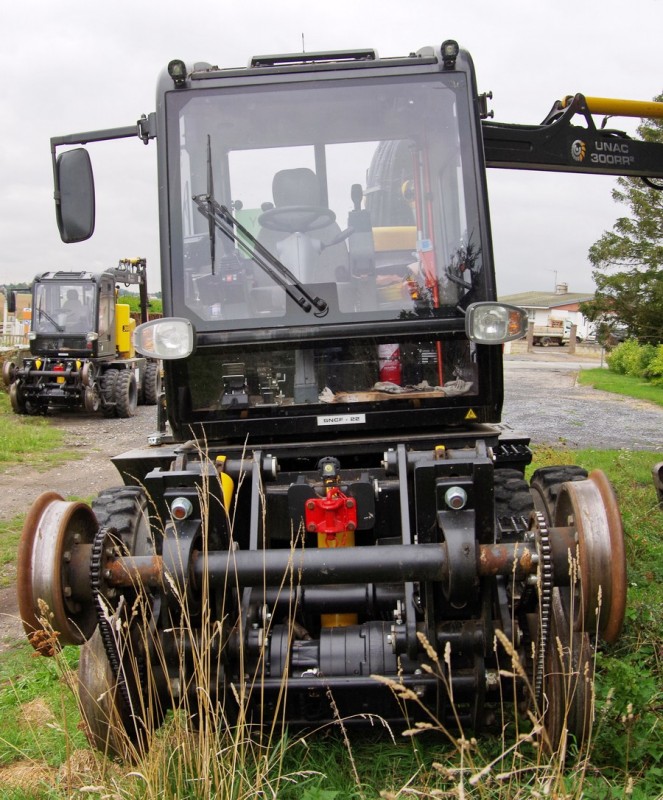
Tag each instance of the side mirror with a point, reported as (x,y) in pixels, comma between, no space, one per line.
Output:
(74,195)
(10,299)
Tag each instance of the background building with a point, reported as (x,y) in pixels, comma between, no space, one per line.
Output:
(542,307)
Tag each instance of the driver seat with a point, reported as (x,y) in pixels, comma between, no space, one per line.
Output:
(300,187)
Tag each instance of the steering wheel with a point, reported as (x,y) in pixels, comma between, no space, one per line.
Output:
(296,219)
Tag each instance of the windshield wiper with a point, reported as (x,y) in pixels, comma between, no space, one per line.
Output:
(43,313)
(220,217)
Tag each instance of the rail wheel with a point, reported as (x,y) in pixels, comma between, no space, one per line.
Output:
(117,687)
(17,400)
(55,539)
(91,399)
(8,372)
(566,701)
(580,509)
(599,597)
(105,713)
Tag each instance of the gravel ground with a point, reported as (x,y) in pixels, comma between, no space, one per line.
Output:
(543,400)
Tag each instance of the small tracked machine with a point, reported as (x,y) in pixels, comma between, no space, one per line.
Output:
(331,517)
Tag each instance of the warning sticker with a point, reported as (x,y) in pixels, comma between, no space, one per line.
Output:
(470,415)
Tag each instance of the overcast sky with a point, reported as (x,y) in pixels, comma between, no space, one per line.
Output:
(79,65)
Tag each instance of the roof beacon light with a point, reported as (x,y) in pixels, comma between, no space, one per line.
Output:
(449,53)
(495,323)
(177,71)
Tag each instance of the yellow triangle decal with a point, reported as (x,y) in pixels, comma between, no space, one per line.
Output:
(470,415)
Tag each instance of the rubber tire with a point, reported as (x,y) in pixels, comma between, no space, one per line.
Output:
(513,498)
(126,394)
(546,483)
(152,383)
(124,508)
(107,383)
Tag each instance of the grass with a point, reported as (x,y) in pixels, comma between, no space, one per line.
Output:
(625,759)
(44,754)
(30,441)
(10,534)
(626,385)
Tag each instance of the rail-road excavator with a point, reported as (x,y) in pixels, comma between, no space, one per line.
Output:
(330,515)
(81,352)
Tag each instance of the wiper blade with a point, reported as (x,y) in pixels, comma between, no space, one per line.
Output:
(221,217)
(210,192)
(43,313)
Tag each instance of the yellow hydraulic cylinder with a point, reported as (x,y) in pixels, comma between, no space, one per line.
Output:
(621,108)
(341,539)
(124,326)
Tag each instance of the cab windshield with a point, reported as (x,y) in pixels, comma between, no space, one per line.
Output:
(61,307)
(361,194)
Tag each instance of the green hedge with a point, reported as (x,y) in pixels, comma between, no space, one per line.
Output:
(638,360)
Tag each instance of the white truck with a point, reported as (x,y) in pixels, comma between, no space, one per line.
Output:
(557,331)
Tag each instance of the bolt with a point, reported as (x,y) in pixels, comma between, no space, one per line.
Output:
(311,505)
(312,527)
(455,497)
(67,591)
(349,503)
(351,526)
(66,556)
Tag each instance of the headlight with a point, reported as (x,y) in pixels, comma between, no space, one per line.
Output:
(495,323)
(168,338)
